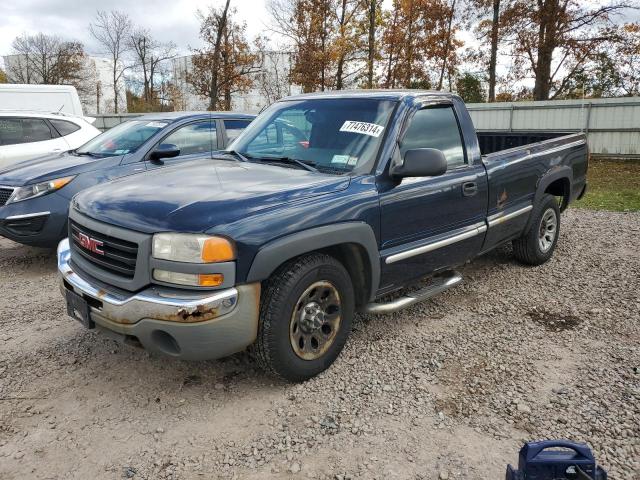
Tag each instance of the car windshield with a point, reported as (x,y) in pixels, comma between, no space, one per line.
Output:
(331,135)
(121,139)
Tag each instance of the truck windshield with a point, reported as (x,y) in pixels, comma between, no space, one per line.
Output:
(121,139)
(331,135)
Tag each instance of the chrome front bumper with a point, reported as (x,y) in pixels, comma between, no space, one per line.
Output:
(192,325)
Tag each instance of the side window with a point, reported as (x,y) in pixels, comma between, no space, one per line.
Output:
(64,128)
(194,138)
(268,138)
(435,127)
(23,130)
(235,128)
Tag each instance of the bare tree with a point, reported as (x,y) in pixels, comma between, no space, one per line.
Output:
(46,59)
(489,32)
(112,30)
(149,56)
(447,44)
(273,79)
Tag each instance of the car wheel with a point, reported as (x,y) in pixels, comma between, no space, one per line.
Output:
(306,311)
(537,245)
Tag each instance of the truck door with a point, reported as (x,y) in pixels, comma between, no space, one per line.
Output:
(432,223)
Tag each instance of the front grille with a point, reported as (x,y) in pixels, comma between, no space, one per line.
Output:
(5,193)
(119,255)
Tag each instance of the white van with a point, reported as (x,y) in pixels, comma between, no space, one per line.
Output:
(40,98)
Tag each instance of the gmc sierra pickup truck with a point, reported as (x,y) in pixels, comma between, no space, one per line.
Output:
(322,207)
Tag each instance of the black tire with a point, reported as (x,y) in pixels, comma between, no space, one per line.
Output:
(528,249)
(281,294)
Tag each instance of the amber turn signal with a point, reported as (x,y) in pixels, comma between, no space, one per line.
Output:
(210,279)
(217,249)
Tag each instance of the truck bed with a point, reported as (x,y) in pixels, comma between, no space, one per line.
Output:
(492,142)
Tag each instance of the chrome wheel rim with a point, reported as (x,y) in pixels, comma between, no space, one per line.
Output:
(315,320)
(548,230)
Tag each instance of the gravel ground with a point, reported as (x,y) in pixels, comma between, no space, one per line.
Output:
(444,390)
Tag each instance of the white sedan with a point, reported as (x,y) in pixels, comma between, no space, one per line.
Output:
(26,135)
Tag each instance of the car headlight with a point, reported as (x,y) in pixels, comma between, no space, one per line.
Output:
(192,248)
(39,189)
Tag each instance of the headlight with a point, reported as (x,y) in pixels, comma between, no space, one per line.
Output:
(39,189)
(192,248)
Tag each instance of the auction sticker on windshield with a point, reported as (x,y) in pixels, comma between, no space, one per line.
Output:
(364,128)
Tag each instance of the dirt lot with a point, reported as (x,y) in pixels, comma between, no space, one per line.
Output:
(446,389)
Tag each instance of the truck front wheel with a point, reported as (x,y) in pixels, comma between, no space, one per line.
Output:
(306,311)
(537,244)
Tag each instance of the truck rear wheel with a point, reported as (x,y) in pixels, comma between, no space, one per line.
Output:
(306,311)
(537,244)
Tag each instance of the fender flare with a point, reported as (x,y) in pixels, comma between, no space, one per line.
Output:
(561,172)
(275,253)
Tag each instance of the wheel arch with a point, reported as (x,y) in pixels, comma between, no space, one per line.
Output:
(353,243)
(558,184)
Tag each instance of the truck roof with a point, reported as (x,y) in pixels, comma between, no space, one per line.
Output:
(182,115)
(398,94)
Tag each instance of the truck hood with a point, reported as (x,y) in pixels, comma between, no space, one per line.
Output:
(52,166)
(196,196)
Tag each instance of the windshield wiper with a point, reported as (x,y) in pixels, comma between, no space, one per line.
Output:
(238,155)
(307,165)
(87,154)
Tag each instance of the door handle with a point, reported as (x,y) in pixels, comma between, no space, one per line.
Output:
(469,189)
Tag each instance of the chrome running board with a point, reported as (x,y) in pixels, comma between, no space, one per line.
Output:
(440,283)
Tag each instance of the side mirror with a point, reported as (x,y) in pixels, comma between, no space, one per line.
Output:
(165,150)
(421,162)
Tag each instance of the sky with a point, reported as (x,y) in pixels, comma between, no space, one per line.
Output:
(168,20)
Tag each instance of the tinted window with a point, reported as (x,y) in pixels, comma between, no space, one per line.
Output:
(235,128)
(334,135)
(23,130)
(124,138)
(435,128)
(64,128)
(194,138)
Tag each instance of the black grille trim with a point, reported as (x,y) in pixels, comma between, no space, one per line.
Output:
(5,195)
(120,256)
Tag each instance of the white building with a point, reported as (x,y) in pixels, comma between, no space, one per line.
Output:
(270,84)
(96,89)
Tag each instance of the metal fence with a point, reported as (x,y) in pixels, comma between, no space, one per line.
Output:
(611,124)
(105,121)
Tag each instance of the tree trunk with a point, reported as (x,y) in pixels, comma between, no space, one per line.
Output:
(546,45)
(372,42)
(213,90)
(447,45)
(542,86)
(388,83)
(339,72)
(115,85)
(495,27)
(341,58)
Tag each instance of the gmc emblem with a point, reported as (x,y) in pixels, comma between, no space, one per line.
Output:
(90,244)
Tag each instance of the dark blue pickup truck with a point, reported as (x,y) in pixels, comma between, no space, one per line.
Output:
(322,207)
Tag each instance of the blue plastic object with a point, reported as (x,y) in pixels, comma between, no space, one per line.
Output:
(574,462)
